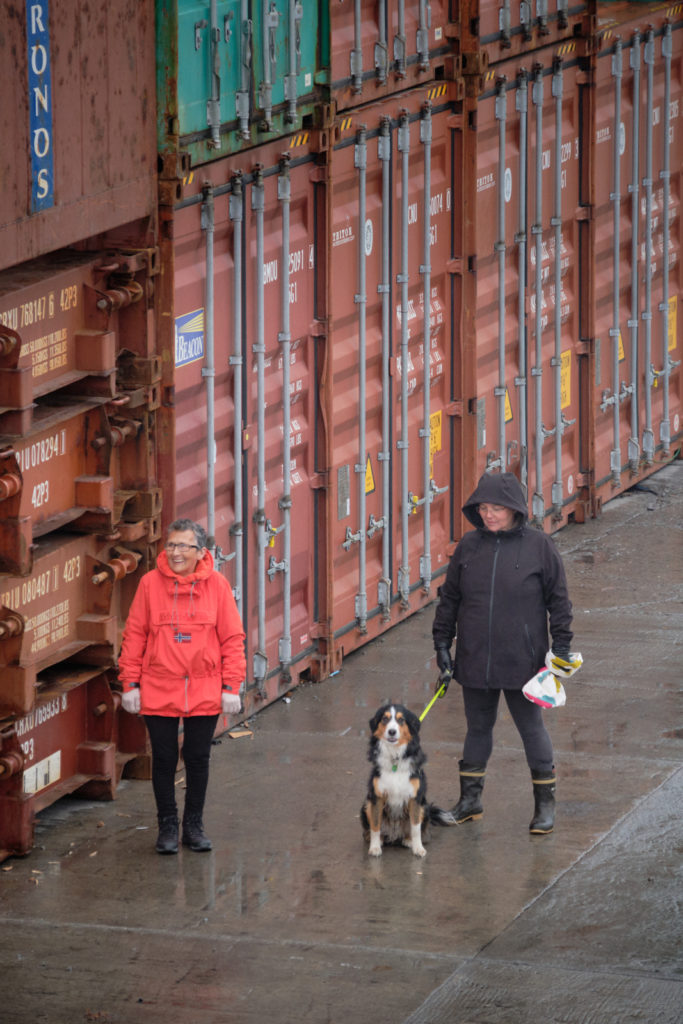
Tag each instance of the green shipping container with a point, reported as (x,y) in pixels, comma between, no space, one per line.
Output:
(232,74)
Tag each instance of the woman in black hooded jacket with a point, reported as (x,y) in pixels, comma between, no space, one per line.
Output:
(505,588)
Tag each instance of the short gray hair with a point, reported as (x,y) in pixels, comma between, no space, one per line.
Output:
(189,524)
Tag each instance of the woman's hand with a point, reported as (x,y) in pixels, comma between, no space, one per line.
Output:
(231,703)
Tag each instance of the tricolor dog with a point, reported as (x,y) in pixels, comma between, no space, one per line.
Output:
(396,808)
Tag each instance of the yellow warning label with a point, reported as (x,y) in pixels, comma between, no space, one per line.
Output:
(673,321)
(434,438)
(566,379)
(508,407)
(369,477)
(622,354)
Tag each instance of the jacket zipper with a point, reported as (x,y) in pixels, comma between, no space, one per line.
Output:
(493,580)
(187,679)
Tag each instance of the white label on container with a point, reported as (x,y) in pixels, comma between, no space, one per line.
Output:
(508,184)
(43,774)
(369,234)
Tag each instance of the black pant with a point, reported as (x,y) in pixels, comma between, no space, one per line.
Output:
(197,736)
(481,710)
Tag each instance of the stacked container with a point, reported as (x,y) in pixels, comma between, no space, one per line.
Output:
(353,257)
(314,383)
(80,509)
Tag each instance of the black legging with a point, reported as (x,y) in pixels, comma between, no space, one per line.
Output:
(197,736)
(481,710)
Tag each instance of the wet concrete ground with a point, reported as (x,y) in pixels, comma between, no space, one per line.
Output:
(288,920)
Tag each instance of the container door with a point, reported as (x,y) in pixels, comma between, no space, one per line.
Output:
(527,161)
(281,395)
(639,154)
(390,431)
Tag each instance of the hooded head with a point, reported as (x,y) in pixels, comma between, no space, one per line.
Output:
(496,489)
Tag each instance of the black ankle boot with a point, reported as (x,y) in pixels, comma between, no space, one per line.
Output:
(543,820)
(468,807)
(193,834)
(167,840)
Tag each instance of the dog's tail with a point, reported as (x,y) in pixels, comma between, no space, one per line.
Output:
(438,816)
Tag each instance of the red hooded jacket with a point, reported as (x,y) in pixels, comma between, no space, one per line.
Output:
(183,642)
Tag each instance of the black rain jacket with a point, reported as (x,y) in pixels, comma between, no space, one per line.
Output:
(501,592)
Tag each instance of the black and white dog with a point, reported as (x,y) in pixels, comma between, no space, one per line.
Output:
(396,809)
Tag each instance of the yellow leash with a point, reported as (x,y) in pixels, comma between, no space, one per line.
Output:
(439,693)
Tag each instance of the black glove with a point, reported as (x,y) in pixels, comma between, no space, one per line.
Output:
(444,661)
(561,652)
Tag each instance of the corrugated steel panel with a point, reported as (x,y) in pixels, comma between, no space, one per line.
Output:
(233,75)
(265,70)
(636,335)
(388,47)
(493,31)
(77,123)
(524,142)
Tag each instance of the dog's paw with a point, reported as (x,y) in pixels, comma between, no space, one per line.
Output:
(419,851)
(375,850)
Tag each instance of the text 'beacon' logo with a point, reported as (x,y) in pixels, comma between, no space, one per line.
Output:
(189,337)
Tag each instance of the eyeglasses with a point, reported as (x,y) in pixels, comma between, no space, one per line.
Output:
(182,549)
(495,509)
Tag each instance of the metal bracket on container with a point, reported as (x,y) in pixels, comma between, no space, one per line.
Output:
(275,567)
(374,525)
(352,538)
(198,26)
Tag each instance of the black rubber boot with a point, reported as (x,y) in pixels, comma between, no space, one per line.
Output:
(543,820)
(468,807)
(167,840)
(193,834)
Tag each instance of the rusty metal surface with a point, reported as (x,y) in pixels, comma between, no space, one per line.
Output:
(66,743)
(65,608)
(78,83)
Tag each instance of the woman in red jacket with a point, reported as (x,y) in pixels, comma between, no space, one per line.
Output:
(182,656)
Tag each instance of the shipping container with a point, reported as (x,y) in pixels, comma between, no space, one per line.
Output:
(77,121)
(379,49)
(635,402)
(526,191)
(492,31)
(232,75)
(272,331)
(389,421)
(64,745)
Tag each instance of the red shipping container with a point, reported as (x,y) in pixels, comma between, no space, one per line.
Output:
(524,142)
(390,426)
(493,31)
(636,334)
(380,49)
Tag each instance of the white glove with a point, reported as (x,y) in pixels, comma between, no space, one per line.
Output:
(131,701)
(231,703)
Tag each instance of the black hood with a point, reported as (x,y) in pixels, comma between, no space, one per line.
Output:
(497,489)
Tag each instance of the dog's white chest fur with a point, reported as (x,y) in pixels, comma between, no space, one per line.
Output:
(394,776)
